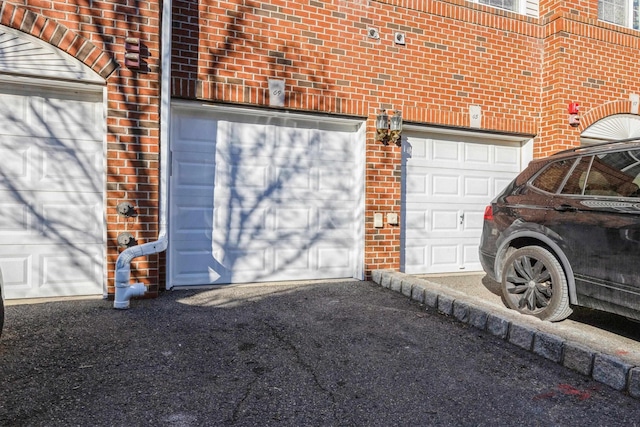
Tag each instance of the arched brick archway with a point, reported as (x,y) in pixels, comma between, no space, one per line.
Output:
(58,35)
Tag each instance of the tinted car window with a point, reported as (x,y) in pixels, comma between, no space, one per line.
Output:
(553,175)
(614,174)
(576,182)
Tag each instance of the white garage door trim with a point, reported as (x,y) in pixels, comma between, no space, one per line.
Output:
(201,167)
(453,174)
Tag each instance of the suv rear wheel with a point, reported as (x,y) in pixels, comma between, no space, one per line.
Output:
(534,283)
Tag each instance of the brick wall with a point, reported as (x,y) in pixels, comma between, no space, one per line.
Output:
(94,33)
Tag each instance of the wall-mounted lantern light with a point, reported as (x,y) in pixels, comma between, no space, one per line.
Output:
(388,129)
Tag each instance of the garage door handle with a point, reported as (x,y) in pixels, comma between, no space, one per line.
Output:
(565,208)
(462,218)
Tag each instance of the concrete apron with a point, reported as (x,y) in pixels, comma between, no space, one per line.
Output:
(605,356)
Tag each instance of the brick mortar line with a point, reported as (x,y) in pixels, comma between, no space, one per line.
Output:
(604,368)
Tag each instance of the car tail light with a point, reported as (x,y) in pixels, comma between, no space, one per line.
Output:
(488,213)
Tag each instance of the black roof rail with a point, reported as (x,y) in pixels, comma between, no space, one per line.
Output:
(600,144)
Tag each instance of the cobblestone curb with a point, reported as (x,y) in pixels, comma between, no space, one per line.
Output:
(605,368)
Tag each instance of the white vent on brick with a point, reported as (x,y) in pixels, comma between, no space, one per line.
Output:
(619,126)
(25,55)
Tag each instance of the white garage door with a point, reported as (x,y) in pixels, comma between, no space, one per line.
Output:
(447,183)
(52,234)
(263,198)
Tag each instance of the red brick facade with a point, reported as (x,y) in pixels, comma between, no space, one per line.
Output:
(522,71)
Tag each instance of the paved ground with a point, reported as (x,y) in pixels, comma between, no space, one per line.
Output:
(607,333)
(601,345)
(331,353)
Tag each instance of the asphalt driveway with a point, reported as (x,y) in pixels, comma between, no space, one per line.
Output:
(329,353)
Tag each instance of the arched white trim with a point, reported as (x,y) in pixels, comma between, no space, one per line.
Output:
(24,55)
(612,128)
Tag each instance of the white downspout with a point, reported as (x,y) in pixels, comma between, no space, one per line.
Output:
(124,290)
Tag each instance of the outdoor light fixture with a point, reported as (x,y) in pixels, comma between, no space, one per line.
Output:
(388,129)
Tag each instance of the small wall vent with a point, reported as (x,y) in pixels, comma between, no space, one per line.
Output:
(373,33)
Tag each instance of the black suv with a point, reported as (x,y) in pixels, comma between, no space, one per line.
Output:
(566,232)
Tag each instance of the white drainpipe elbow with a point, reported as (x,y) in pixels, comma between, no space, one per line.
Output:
(124,290)
(125,293)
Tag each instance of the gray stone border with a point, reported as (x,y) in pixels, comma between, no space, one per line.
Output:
(604,368)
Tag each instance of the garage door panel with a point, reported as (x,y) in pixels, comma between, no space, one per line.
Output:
(476,153)
(470,257)
(438,217)
(79,222)
(196,134)
(77,216)
(274,225)
(247,176)
(441,255)
(293,260)
(335,220)
(194,173)
(67,118)
(72,166)
(50,165)
(290,178)
(473,221)
(444,220)
(508,158)
(283,202)
(477,186)
(444,152)
(446,186)
(45,112)
(415,220)
(14,106)
(43,271)
(240,218)
(416,182)
(15,165)
(193,263)
(192,213)
(287,219)
(334,146)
